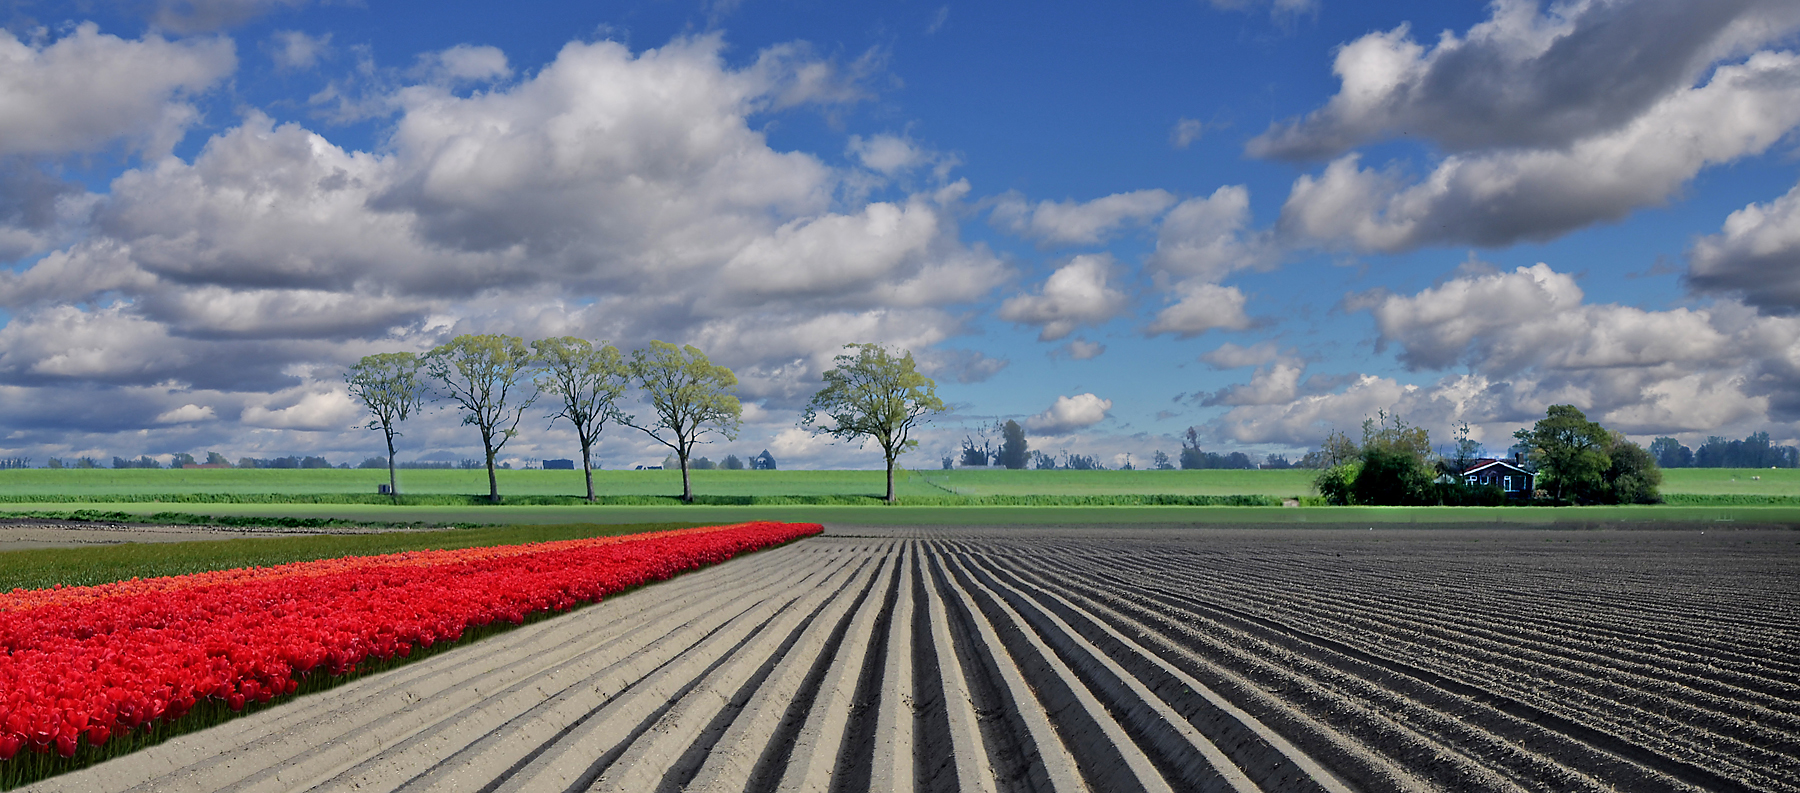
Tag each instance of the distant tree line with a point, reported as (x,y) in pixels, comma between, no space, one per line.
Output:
(1755,451)
(760,462)
(284,462)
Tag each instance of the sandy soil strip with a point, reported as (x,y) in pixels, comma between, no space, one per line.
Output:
(892,761)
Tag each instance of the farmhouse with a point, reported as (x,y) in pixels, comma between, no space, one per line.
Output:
(1504,474)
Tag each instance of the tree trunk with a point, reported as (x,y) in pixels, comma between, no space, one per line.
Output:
(493,484)
(587,470)
(687,489)
(890,472)
(393,481)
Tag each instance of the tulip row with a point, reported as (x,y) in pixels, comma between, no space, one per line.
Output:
(85,664)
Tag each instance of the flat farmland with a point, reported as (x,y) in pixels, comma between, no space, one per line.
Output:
(1732,481)
(1097,657)
(231,481)
(102,482)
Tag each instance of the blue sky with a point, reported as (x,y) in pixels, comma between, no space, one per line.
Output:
(1264,220)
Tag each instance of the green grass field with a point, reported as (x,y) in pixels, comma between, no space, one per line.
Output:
(130,481)
(447,497)
(924,482)
(955,515)
(141,482)
(1732,481)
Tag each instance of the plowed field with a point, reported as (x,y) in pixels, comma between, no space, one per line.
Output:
(1110,660)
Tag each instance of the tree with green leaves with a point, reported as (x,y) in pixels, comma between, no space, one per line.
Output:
(389,386)
(876,395)
(1569,450)
(1632,475)
(1015,452)
(587,382)
(691,397)
(484,374)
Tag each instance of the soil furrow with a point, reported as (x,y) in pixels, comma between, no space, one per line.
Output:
(590,731)
(612,729)
(1099,746)
(1441,746)
(892,750)
(666,755)
(1644,709)
(819,748)
(1181,753)
(426,732)
(957,758)
(1582,746)
(1270,760)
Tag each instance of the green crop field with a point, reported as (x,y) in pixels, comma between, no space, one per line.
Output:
(230,481)
(946,515)
(922,483)
(1288,483)
(1732,481)
(444,497)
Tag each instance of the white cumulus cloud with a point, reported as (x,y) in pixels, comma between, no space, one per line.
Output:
(87,90)
(1076,294)
(1528,339)
(1070,413)
(1541,121)
(187,414)
(1529,76)
(1755,256)
(1073,223)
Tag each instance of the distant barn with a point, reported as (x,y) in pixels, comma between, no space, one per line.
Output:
(559,465)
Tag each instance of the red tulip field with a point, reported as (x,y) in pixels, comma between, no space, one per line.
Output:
(80,665)
(958,658)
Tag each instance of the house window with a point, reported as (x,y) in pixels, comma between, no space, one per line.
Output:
(1509,485)
(1473,481)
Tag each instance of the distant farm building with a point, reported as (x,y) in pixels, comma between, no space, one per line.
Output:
(559,465)
(1507,475)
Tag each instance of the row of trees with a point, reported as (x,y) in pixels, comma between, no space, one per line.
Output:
(1576,461)
(1755,451)
(493,379)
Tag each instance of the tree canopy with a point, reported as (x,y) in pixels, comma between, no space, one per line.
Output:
(690,395)
(389,386)
(482,374)
(1015,451)
(1569,451)
(587,382)
(876,395)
